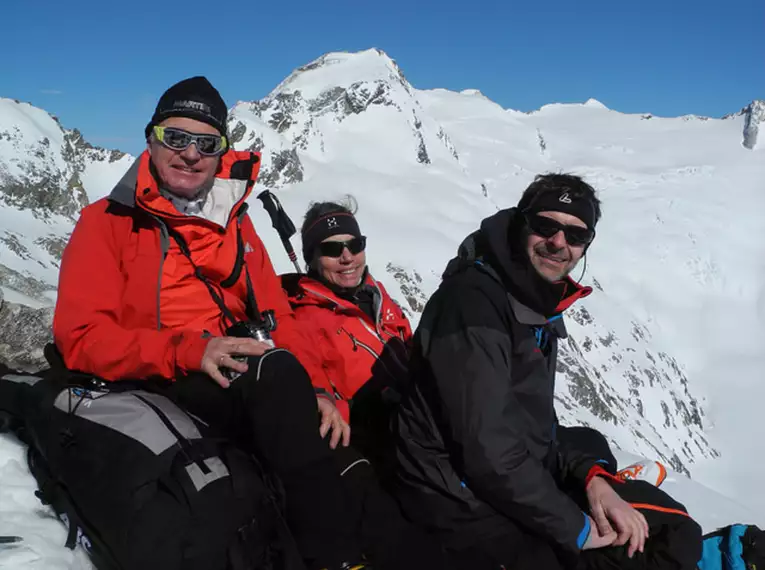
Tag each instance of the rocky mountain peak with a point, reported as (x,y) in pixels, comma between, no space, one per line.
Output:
(48,173)
(319,101)
(754,114)
(24,332)
(43,164)
(342,69)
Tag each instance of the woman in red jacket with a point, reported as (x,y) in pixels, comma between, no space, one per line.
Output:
(361,333)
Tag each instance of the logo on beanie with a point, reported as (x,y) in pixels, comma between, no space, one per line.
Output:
(196,105)
(332,223)
(565,198)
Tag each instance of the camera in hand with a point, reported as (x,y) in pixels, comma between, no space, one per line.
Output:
(260,331)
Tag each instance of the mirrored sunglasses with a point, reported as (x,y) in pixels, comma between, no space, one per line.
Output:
(178,139)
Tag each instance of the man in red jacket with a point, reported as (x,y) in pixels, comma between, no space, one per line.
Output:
(159,275)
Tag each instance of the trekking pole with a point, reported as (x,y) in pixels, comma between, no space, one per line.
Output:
(281,222)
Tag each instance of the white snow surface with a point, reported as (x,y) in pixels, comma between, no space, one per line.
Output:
(671,336)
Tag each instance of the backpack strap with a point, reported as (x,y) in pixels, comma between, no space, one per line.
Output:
(252,311)
(239,261)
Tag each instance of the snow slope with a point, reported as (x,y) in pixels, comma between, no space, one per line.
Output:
(677,269)
(47,174)
(44,536)
(665,357)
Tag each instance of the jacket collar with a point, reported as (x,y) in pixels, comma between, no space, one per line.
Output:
(124,191)
(527,316)
(523,314)
(139,185)
(305,290)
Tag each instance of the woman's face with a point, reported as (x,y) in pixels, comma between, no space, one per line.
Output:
(346,270)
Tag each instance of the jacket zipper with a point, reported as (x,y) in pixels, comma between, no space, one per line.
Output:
(322,296)
(369,329)
(357,343)
(378,314)
(392,353)
(163,256)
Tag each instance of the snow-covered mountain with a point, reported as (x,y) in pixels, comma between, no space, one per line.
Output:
(426,166)
(47,174)
(302,117)
(665,357)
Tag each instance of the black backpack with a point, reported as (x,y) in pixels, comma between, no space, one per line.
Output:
(140,483)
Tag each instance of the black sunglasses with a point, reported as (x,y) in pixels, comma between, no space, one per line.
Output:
(335,248)
(178,139)
(547,228)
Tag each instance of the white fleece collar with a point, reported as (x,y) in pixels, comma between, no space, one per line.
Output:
(214,205)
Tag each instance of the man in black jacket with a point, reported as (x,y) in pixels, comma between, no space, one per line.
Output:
(478,461)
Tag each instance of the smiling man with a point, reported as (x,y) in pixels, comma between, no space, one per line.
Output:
(479,463)
(158,281)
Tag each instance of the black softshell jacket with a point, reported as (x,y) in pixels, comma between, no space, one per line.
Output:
(476,444)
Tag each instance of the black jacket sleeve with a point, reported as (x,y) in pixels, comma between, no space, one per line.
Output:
(579,449)
(469,354)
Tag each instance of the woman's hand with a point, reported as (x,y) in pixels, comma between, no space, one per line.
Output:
(332,420)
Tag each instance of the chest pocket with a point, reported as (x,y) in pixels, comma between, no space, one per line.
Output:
(141,245)
(531,364)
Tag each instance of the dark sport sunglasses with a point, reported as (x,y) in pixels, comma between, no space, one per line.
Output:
(335,248)
(178,139)
(547,228)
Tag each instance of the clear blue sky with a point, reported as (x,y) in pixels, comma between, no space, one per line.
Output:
(101,66)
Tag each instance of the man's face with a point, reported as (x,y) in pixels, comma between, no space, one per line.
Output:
(184,172)
(553,257)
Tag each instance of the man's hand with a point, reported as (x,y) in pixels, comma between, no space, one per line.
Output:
(331,419)
(597,539)
(609,510)
(219,352)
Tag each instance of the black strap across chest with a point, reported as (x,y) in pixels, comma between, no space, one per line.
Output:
(251,306)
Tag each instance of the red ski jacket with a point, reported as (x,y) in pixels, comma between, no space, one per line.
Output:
(129,304)
(354,348)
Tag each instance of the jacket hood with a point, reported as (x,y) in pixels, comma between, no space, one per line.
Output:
(498,243)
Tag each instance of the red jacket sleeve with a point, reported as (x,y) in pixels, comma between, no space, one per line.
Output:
(89,307)
(269,294)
